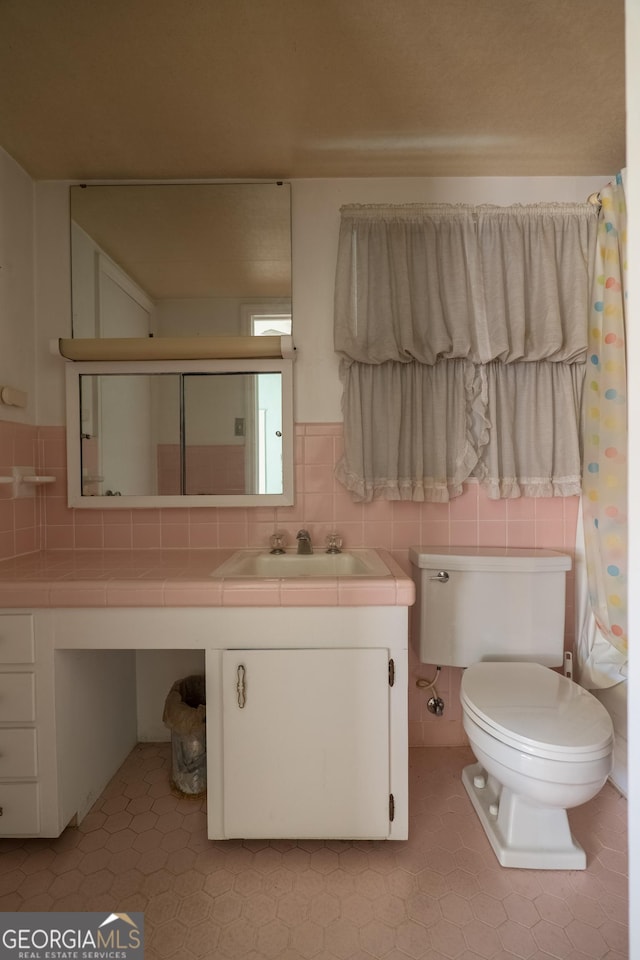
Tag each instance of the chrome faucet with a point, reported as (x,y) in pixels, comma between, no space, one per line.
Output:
(277,543)
(334,543)
(304,542)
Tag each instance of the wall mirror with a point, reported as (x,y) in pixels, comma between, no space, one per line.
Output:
(194,433)
(190,261)
(195,259)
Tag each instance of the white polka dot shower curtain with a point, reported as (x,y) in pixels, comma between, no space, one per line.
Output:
(605,425)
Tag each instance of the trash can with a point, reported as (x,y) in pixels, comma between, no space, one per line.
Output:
(185,714)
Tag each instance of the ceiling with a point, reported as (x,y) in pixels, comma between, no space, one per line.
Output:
(152,89)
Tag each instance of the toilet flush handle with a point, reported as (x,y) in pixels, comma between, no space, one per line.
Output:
(441,576)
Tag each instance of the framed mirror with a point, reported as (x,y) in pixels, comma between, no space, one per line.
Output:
(195,261)
(193,433)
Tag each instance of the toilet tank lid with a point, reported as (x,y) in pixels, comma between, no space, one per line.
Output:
(488,558)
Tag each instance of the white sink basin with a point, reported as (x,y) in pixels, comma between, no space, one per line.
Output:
(259,564)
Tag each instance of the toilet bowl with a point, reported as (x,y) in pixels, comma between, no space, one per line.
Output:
(543,745)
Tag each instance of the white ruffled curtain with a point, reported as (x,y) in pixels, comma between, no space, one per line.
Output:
(462,332)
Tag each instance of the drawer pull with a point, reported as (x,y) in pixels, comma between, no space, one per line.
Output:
(1,811)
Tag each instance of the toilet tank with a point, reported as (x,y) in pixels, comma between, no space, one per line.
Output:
(483,603)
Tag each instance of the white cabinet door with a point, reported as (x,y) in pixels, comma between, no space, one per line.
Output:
(306,743)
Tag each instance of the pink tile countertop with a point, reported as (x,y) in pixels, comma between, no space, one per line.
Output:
(179,578)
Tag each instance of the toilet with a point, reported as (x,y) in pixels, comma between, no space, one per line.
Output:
(542,743)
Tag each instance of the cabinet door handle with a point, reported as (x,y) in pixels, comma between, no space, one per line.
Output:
(241,686)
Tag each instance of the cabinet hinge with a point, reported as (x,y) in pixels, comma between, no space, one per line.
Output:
(392,673)
(392,807)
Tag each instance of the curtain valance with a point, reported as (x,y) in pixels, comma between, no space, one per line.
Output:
(463,337)
(423,282)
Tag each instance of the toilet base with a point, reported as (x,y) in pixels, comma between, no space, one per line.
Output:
(522,834)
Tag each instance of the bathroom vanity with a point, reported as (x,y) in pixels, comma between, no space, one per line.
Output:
(306,683)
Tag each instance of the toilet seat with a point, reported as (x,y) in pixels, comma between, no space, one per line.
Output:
(536,711)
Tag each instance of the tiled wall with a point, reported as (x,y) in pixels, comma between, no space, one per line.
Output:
(322,506)
(21,519)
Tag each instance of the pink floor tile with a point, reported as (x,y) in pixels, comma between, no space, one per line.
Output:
(439,895)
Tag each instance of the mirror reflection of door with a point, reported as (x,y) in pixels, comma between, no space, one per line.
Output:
(269,433)
(233,434)
(214,441)
(268,409)
(124,437)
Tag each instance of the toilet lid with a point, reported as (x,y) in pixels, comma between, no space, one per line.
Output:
(536,710)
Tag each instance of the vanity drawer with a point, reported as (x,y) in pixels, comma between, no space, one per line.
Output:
(18,753)
(17,697)
(16,638)
(19,809)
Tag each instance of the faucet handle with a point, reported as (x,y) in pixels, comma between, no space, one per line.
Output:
(277,542)
(334,543)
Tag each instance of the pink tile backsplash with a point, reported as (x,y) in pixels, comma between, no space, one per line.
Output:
(322,506)
(21,521)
